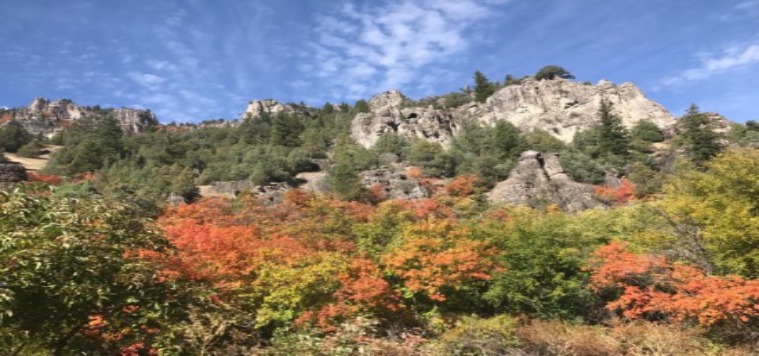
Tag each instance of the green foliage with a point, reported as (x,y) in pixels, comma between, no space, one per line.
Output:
(698,137)
(89,145)
(483,87)
(488,152)
(392,143)
(646,131)
(31,150)
(614,137)
(511,80)
(647,180)
(13,136)
(542,141)
(348,159)
(714,214)
(552,71)
(543,261)
(361,106)
(744,135)
(581,167)
(431,157)
(607,142)
(478,336)
(67,262)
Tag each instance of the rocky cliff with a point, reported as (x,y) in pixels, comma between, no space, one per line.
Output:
(560,107)
(256,108)
(538,179)
(47,117)
(389,115)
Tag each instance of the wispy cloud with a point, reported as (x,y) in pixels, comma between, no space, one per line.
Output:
(731,59)
(364,50)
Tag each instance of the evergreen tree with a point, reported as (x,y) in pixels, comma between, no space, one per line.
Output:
(13,136)
(508,142)
(698,135)
(483,87)
(362,106)
(552,71)
(615,139)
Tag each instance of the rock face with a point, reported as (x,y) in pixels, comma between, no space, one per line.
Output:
(563,107)
(560,107)
(256,108)
(134,120)
(388,115)
(47,117)
(12,173)
(395,183)
(539,179)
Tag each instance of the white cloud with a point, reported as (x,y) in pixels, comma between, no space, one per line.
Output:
(732,58)
(378,47)
(147,80)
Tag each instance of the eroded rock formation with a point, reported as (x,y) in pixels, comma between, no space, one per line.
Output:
(47,117)
(538,179)
(256,108)
(560,107)
(388,115)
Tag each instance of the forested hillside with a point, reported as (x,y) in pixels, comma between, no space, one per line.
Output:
(456,232)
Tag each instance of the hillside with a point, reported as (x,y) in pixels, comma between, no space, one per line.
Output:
(543,217)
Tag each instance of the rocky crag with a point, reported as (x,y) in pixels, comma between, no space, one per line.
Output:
(560,107)
(538,180)
(47,117)
(256,108)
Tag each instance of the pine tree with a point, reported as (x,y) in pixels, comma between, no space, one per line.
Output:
(483,88)
(698,135)
(615,139)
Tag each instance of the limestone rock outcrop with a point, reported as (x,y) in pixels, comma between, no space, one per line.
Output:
(256,108)
(47,117)
(538,179)
(389,115)
(560,107)
(563,107)
(135,120)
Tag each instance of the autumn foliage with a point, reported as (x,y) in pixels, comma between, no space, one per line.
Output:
(622,194)
(650,287)
(299,261)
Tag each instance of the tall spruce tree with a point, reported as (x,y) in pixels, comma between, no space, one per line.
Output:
(698,136)
(615,139)
(483,87)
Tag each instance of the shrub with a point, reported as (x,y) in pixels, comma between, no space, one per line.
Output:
(477,336)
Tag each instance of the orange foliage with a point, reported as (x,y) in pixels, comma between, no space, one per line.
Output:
(44,178)
(84,177)
(623,194)
(462,186)
(5,118)
(362,291)
(653,286)
(379,191)
(437,257)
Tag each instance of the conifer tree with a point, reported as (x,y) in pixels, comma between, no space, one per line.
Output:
(615,139)
(483,87)
(698,135)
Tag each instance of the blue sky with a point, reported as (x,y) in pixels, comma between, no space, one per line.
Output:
(191,60)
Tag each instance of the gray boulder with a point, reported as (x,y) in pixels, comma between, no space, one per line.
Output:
(538,179)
